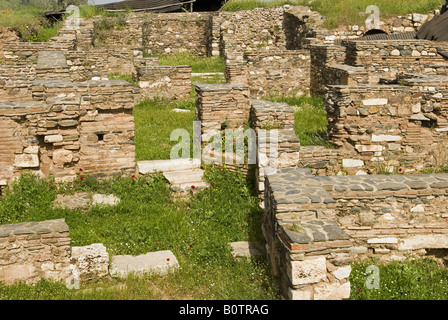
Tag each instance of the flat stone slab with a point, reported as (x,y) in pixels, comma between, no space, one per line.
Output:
(37,227)
(184,176)
(160,262)
(244,249)
(75,201)
(84,200)
(145,167)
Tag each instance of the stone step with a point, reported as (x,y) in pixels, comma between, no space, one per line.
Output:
(159,262)
(167,165)
(184,176)
(198,185)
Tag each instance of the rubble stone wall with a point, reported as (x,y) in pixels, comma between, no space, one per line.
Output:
(32,251)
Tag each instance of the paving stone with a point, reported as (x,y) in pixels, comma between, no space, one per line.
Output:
(160,262)
(244,249)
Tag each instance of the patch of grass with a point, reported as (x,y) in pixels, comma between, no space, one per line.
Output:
(155,120)
(198,64)
(419,279)
(343,12)
(310,118)
(120,76)
(349,12)
(238,5)
(196,230)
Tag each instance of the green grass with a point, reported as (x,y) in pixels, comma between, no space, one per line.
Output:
(420,279)
(343,12)
(198,64)
(196,230)
(310,118)
(120,76)
(155,121)
(28,21)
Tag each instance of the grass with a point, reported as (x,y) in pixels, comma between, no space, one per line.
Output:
(198,64)
(120,76)
(310,118)
(196,230)
(27,20)
(155,122)
(343,12)
(419,279)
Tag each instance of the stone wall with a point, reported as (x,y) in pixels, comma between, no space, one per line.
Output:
(251,30)
(277,143)
(273,72)
(177,32)
(316,225)
(31,251)
(70,126)
(164,81)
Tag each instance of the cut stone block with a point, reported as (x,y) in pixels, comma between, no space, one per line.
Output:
(78,200)
(427,241)
(332,291)
(92,261)
(310,270)
(167,165)
(160,262)
(26,160)
(104,199)
(244,249)
(183,176)
(352,163)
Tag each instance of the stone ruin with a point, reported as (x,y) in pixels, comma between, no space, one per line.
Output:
(323,207)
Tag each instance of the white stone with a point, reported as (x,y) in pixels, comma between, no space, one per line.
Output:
(416,108)
(53,138)
(358,250)
(92,261)
(415,53)
(418,208)
(180,110)
(26,160)
(31,150)
(300,294)
(103,199)
(160,262)
(332,291)
(96,78)
(382,240)
(167,165)
(342,273)
(361,173)
(427,241)
(385,137)
(352,163)
(61,156)
(310,270)
(244,249)
(395,52)
(369,148)
(374,102)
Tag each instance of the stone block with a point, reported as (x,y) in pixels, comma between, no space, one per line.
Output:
(332,291)
(352,163)
(26,160)
(92,261)
(310,270)
(62,156)
(427,241)
(160,262)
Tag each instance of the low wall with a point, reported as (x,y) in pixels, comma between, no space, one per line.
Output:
(70,126)
(316,225)
(31,251)
(177,32)
(277,143)
(273,72)
(172,82)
